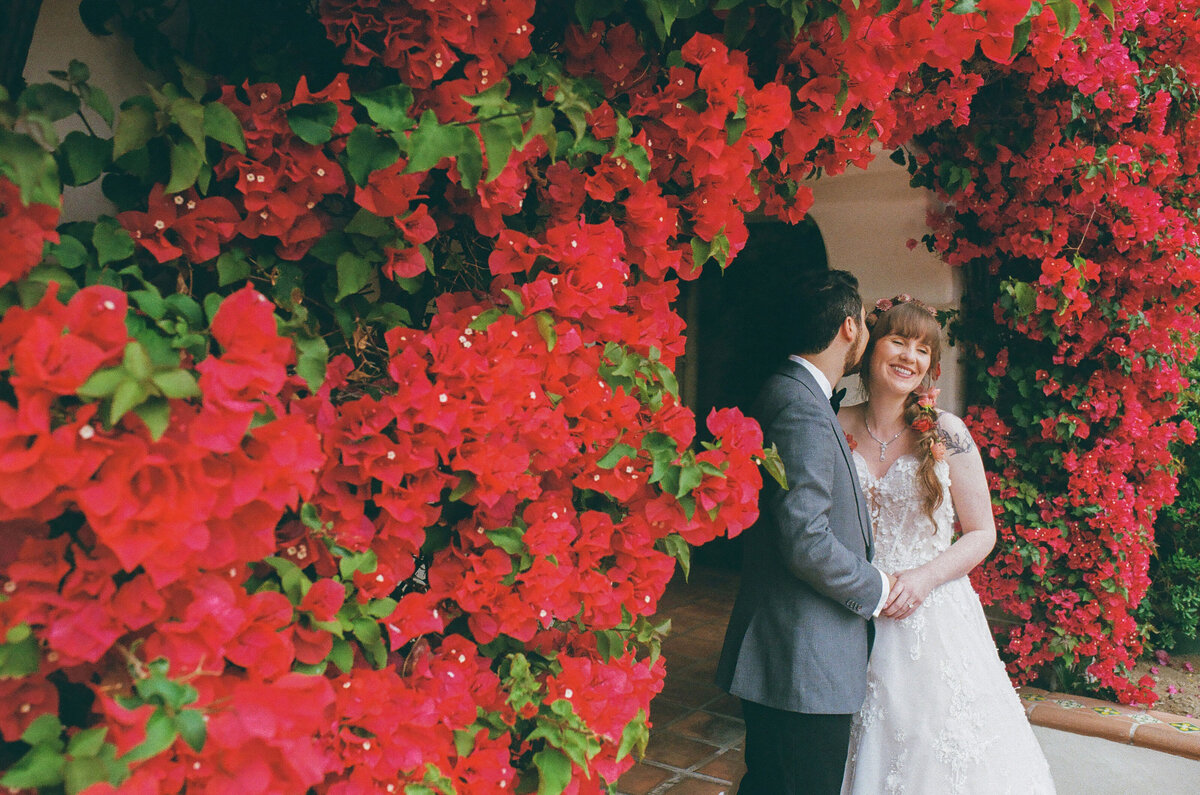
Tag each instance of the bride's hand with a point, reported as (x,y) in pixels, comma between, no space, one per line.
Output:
(908,592)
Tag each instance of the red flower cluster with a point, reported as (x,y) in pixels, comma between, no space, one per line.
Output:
(443,50)
(23,231)
(436,568)
(281,180)
(1092,183)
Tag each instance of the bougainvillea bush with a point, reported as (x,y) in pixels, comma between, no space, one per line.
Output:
(345,454)
(1075,202)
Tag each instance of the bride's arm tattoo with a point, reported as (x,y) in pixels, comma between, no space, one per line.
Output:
(956,442)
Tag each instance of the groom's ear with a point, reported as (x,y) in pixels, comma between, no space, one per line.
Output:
(849,328)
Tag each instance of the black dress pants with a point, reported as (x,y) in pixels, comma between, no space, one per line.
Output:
(793,753)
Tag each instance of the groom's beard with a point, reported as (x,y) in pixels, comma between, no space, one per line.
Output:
(853,361)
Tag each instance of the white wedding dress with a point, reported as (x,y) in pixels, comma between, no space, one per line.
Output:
(941,715)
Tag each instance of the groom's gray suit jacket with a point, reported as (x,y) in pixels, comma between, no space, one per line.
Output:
(798,637)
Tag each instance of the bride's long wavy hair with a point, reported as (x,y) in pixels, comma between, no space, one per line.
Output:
(915,322)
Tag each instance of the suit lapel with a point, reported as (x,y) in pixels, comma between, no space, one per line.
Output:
(798,373)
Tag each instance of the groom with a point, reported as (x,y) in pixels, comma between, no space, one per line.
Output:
(796,648)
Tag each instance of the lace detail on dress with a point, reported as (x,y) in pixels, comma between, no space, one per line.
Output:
(940,714)
(904,535)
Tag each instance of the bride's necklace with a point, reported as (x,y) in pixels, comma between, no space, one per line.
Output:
(883,446)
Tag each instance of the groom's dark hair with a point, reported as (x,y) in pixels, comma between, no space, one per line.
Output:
(824,301)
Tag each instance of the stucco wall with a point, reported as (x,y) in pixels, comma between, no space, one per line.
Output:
(60,37)
(867,218)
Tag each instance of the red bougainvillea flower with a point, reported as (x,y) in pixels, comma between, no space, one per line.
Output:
(24,229)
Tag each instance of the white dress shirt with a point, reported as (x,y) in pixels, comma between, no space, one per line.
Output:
(827,390)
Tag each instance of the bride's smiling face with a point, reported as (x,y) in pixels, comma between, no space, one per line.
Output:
(898,364)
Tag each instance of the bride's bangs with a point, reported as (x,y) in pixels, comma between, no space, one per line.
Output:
(911,322)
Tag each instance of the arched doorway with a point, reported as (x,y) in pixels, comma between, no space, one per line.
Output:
(738,330)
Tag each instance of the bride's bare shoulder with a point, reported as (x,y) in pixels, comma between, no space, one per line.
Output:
(954,433)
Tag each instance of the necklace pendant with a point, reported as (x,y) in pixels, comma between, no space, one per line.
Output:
(882,451)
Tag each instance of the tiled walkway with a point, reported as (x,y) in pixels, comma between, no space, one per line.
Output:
(696,743)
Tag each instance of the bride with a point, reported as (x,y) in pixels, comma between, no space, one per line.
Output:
(940,714)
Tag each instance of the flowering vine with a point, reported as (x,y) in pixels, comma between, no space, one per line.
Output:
(1073,211)
(347,455)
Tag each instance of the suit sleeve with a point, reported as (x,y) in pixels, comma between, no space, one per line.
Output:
(809,548)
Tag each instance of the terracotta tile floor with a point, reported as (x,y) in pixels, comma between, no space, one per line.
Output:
(697,735)
(696,741)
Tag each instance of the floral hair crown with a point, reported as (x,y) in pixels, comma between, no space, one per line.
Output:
(884,304)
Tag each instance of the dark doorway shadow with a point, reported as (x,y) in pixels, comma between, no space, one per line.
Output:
(739,330)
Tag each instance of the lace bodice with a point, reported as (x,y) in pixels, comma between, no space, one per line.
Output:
(904,535)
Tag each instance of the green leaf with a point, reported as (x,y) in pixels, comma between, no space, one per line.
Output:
(313,123)
(675,546)
(508,538)
(39,767)
(112,242)
(127,395)
(186,161)
(137,361)
(500,136)
(87,742)
(68,252)
(588,11)
(773,463)
(466,482)
(469,159)
(1020,37)
(518,304)
(485,319)
(78,72)
(191,726)
(160,733)
(135,127)
(81,773)
(701,251)
(176,384)
(614,455)
(367,152)
(222,125)
(102,383)
(45,730)
(98,101)
(50,100)
(294,582)
(690,477)
(545,324)
(85,157)
(150,302)
(635,736)
(186,307)
(232,266)
(30,167)
(388,106)
(554,771)
(19,653)
(353,274)
(429,142)
(189,115)
(311,361)
(1106,8)
(342,654)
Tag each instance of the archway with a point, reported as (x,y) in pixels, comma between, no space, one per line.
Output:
(738,329)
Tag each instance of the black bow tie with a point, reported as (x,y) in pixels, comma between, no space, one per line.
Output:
(835,399)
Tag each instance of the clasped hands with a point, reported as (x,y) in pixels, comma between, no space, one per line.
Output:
(908,590)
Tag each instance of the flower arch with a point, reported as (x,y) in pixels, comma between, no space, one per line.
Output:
(349,455)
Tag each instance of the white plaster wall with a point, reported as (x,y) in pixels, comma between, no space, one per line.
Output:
(59,37)
(866,217)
